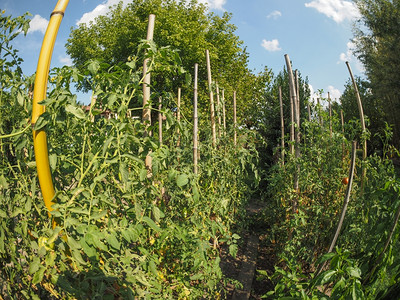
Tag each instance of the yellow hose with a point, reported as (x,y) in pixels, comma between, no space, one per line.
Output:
(39,94)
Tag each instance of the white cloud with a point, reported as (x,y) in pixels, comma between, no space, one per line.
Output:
(214,4)
(313,94)
(38,23)
(334,93)
(348,55)
(274,15)
(104,8)
(99,10)
(65,60)
(338,10)
(271,46)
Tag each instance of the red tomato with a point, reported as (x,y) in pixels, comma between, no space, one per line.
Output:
(345,180)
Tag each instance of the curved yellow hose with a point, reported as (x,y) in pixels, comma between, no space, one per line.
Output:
(39,94)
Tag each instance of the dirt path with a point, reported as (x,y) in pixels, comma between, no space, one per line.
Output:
(253,254)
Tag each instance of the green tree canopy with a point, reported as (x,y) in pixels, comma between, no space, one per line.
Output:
(373,110)
(185,26)
(377,39)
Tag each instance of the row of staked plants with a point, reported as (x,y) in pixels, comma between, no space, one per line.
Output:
(363,264)
(119,233)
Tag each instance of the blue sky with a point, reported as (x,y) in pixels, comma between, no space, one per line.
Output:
(315,33)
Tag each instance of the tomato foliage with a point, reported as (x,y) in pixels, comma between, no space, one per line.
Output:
(120,231)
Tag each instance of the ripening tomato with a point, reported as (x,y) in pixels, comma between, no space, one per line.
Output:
(345,180)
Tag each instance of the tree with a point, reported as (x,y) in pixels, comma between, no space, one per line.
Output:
(373,110)
(377,40)
(188,27)
(266,111)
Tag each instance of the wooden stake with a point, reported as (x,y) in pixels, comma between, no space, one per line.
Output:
(146,117)
(219,112)
(282,129)
(298,99)
(321,121)
(345,203)
(214,136)
(195,121)
(160,121)
(342,119)
(330,115)
(223,111)
(360,109)
(146,81)
(178,117)
(363,139)
(234,119)
(293,95)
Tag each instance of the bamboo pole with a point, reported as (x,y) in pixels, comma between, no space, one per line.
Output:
(342,120)
(234,119)
(146,116)
(178,117)
(219,112)
(223,111)
(360,109)
(309,112)
(160,121)
(214,136)
(330,115)
(282,129)
(195,121)
(291,126)
(363,138)
(297,98)
(320,120)
(345,203)
(293,96)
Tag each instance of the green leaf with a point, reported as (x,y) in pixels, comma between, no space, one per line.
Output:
(76,254)
(113,242)
(34,265)
(153,268)
(38,277)
(89,251)
(20,98)
(157,213)
(233,249)
(99,214)
(76,111)
(41,122)
(151,224)
(74,245)
(53,161)
(326,276)
(3,182)
(182,180)
(124,172)
(354,272)
(94,67)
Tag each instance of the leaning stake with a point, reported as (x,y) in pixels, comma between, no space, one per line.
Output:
(282,128)
(195,120)
(345,203)
(214,136)
(363,139)
(39,94)
(234,119)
